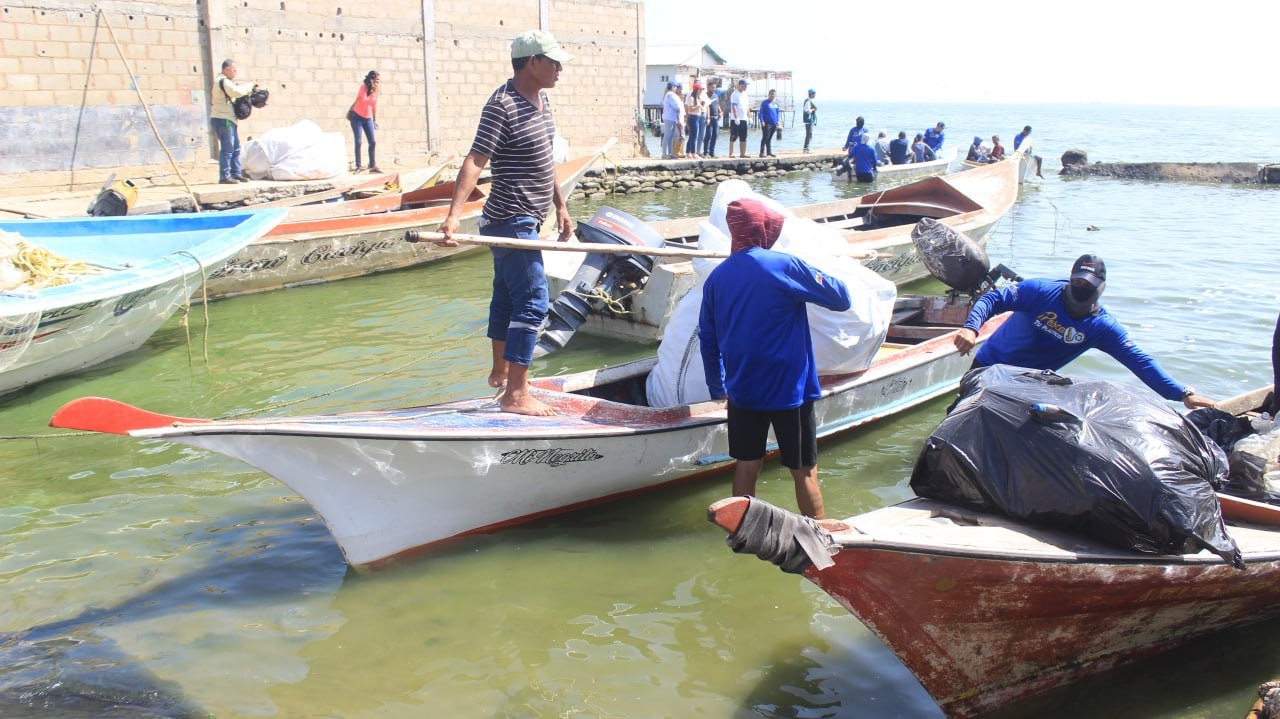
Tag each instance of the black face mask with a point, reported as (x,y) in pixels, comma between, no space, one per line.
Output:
(1082,300)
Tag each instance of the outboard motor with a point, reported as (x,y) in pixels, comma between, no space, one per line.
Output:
(603,278)
(115,199)
(956,260)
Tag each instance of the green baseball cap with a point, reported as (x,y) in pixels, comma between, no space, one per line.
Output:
(538,42)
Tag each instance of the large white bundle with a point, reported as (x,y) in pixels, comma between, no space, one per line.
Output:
(678,378)
(301,151)
(842,341)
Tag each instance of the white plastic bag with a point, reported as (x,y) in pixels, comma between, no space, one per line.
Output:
(301,151)
(842,341)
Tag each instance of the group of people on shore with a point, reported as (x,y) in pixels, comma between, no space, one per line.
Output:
(691,122)
(362,116)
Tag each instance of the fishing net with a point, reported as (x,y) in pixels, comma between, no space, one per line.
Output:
(24,266)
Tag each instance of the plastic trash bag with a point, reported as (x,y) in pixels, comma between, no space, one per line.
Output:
(1246,450)
(1107,460)
(301,151)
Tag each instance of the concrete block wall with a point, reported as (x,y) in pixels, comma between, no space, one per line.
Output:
(54,59)
(68,99)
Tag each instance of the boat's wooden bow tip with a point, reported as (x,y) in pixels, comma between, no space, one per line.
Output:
(98,414)
(728,513)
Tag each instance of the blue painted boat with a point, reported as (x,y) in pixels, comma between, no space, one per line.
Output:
(148,267)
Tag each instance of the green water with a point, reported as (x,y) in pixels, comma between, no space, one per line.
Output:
(182,583)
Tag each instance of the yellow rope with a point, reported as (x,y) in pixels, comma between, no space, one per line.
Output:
(45,269)
(598,294)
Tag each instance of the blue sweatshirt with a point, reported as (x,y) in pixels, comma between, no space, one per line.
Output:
(898,150)
(769,112)
(1017,140)
(933,138)
(754,330)
(864,159)
(852,139)
(1042,335)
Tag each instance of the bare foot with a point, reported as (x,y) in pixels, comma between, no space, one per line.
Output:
(498,377)
(833,525)
(524,403)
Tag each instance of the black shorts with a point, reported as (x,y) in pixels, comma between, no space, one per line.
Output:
(737,130)
(866,177)
(795,430)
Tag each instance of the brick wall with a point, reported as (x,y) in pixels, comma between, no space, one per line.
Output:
(67,94)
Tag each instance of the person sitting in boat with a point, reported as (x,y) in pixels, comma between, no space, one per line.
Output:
(858,130)
(882,148)
(753,329)
(934,136)
(1019,138)
(920,150)
(977,153)
(900,150)
(1056,321)
(997,150)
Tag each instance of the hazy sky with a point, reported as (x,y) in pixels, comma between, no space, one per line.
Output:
(1032,51)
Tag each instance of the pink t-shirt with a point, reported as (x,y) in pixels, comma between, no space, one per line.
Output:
(366,104)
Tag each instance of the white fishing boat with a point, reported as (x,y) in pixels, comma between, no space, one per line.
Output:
(143,269)
(938,166)
(878,224)
(391,481)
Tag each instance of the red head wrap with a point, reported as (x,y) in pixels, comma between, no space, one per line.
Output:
(752,224)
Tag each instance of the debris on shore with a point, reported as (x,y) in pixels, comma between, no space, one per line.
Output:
(1075,163)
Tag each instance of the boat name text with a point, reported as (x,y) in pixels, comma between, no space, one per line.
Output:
(552,456)
(359,251)
(245,265)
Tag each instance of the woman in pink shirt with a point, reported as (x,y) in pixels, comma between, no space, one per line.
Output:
(364,117)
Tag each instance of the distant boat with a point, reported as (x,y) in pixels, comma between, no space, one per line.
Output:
(386,482)
(360,237)
(880,222)
(149,266)
(1029,165)
(938,166)
(986,610)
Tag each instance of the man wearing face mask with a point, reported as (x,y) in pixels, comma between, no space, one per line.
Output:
(1056,321)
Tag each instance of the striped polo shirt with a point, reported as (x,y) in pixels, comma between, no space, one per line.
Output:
(517,139)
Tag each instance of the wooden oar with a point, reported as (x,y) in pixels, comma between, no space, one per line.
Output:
(545,245)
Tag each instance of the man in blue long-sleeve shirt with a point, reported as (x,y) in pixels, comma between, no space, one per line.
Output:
(756,350)
(1056,321)
(935,136)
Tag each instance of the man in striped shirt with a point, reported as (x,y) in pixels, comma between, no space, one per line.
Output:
(515,134)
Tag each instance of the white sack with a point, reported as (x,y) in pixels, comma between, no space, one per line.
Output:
(842,341)
(301,151)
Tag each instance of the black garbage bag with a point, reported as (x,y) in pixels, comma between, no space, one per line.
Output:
(1245,472)
(1104,459)
(950,255)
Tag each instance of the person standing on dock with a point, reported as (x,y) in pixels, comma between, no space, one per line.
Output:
(516,133)
(222,119)
(1021,137)
(1056,321)
(695,107)
(738,119)
(713,120)
(670,120)
(809,113)
(757,352)
(934,136)
(768,123)
(363,116)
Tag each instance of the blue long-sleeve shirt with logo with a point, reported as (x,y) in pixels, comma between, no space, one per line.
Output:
(933,138)
(852,139)
(754,329)
(769,112)
(1042,335)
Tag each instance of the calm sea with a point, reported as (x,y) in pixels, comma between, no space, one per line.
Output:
(150,579)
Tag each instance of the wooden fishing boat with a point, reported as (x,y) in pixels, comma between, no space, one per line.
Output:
(939,166)
(148,267)
(387,482)
(306,249)
(879,223)
(985,610)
